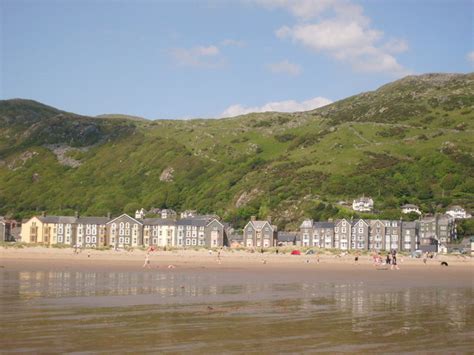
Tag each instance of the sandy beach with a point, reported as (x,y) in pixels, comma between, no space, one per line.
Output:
(243,264)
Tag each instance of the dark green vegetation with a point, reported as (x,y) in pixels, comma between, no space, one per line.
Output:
(410,141)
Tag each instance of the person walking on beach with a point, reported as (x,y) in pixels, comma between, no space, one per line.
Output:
(356,259)
(425,257)
(394,260)
(147,261)
(219,256)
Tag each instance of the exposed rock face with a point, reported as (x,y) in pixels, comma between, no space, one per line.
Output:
(61,150)
(246,197)
(21,160)
(167,175)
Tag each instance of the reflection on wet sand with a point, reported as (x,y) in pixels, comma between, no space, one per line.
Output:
(209,314)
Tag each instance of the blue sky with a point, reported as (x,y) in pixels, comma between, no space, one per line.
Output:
(210,58)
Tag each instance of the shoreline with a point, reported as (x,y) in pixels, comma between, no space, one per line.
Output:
(240,266)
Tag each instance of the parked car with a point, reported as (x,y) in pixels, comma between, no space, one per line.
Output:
(295,252)
(310,252)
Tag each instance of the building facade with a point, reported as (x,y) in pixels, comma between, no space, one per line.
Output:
(259,234)
(379,235)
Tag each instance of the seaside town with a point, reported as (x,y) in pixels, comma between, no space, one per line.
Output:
(431,233)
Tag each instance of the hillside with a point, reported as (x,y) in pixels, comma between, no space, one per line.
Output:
(409,141)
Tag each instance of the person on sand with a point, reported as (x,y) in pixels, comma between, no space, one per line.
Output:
(147,261)
(387,259)
(394,260)
(219,257)
(425,257)
(356,259)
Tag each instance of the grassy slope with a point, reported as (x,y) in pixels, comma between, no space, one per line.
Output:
(409,141)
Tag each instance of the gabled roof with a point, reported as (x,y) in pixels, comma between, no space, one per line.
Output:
(258,225)
(356,222)
(126,215)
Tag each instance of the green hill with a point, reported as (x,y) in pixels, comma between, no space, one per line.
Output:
(409,141)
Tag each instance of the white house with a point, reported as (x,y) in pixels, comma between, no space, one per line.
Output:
(410,208)
(363,204)
(140,214)
(458,212)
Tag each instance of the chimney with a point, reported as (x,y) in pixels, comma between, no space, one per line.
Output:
(269,219)
(76,214)
(253,218)
(108,215)
(43,213)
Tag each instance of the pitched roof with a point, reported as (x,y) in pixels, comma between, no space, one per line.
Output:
(58,219)
(198,222)
(408,205)
(93,220)
(158,222)
(259,224)
(126,215)
(323,224)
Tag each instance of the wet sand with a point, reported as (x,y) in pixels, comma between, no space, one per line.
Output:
(55,301)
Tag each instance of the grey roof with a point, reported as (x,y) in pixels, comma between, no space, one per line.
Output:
(455,207)
(158,222)
(58,219)
(287,236)
(323,224)
(198,222)
(93,220)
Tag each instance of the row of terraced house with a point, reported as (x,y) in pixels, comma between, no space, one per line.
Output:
(124,231)
(428,233)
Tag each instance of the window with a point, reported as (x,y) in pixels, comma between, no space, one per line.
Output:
(60,238)
(361,230)
(88,239)
(121,239)
(188,241)
(127,240)
(94,240)
(343,230)
(155,241)
(194,241)
(134,240)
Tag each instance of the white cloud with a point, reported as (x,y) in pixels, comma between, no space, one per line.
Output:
(340,29)
(278,106)
(300,8)
(200,56)
(470,57)
(285,67)
(233,42)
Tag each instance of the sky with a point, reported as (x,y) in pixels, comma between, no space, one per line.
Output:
(214,58)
